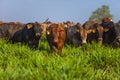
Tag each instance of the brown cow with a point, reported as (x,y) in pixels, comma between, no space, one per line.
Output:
(8,29)
(56,36)
(13,27)
(44,25)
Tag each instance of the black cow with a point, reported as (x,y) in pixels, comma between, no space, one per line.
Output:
(30,35)
(76,34)
(111,34)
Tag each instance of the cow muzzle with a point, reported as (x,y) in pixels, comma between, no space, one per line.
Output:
(100,40)
(38,34)
(84,42)
(55,40)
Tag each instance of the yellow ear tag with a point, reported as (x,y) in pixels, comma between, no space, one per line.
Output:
(48,33)
(93,31)
(29,26)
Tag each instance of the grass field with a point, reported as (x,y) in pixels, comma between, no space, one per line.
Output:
(91,62)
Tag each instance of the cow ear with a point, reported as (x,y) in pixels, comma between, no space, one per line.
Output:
(29,26)
(89,31)
(106,30)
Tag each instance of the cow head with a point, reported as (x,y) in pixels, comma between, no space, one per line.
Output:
(99,32)
(57,30)
(82,32)
(36,29)
(106,19)
(43,26)
(95,31)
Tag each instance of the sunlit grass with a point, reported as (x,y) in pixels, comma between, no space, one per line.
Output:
(90,62)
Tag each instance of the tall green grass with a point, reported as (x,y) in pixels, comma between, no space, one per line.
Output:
(90,62)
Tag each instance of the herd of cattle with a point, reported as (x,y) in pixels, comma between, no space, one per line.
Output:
(107,32)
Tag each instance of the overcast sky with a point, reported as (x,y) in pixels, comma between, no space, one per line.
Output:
(55,10)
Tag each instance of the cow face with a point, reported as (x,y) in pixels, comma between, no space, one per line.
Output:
(44,26)
(99,32)
(57,32)
(83,35)
(95,32)
(36,29)
(78,29)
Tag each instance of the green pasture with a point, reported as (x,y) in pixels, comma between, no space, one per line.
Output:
(90,62)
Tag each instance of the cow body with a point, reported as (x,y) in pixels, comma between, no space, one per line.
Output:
(30,35)
(76,34)
(56,37)
(7,30)
(95,31)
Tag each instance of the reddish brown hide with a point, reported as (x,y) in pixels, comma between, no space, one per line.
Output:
(56,36)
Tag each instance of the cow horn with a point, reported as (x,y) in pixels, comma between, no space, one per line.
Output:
(46,20)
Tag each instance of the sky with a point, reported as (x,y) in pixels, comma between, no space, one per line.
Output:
(56,10)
